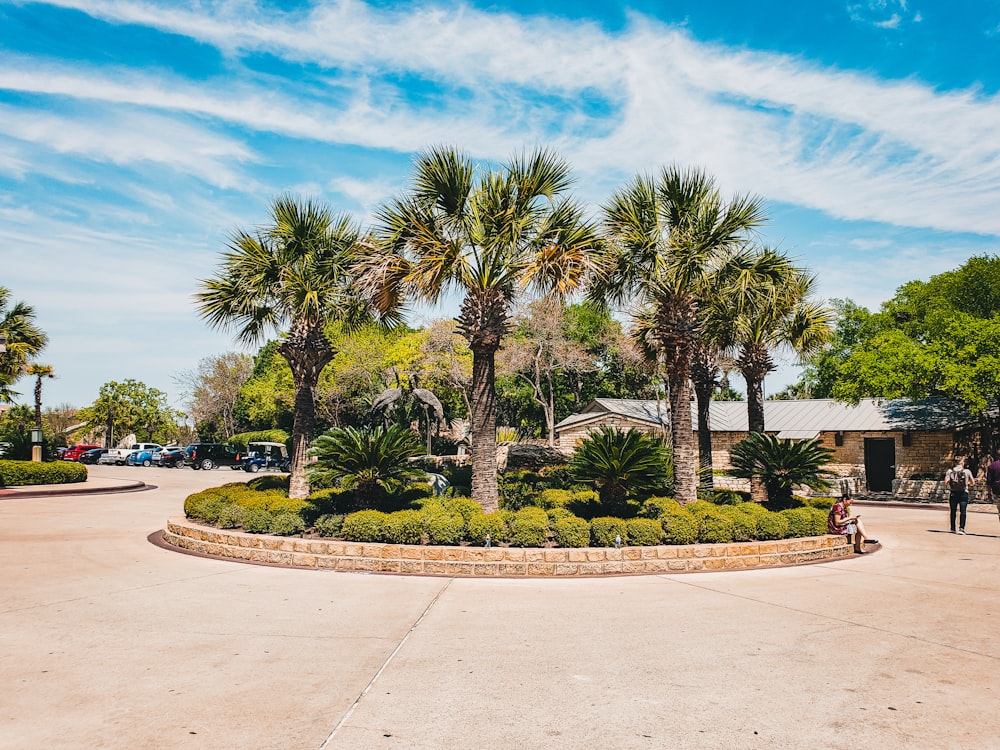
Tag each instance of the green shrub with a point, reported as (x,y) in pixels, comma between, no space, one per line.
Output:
(283,504)
(727,497)
(257,521)
(284,523)
(699,507)
(754,509)
(414,492)
(466,507)
(231,517)
(557,477)
(644,532)
(444,527)
(655,507)
(604,530)
(552,498)
(714,527)
(364,526)
(492,524)
(821,503)
(555,514)
(585,504)
(333,500)
(28,473)
(679,527)
(514,494)
(805,521)
(329,525)
(571,531)
(269,482)
(530,528)
(772,526)
(744,524)
(404,527)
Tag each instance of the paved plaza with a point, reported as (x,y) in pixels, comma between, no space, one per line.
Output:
(112,642)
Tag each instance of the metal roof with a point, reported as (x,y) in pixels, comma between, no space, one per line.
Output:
(799,419)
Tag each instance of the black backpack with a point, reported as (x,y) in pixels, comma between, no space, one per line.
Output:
(956,480)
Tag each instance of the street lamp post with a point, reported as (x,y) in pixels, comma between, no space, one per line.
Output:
(36,445)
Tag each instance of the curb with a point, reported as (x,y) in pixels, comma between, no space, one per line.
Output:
(68,490)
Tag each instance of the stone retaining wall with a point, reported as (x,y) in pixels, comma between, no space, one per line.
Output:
(928,491)
(504,562)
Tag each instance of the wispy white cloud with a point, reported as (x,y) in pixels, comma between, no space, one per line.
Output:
(882,14)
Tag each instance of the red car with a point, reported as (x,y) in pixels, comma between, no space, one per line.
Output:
(74,453)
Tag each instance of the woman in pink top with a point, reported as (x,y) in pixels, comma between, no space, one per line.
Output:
(841,522)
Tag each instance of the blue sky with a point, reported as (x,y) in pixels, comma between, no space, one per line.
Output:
(135,136)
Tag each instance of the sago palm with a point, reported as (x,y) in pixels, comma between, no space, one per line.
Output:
(291,277)
(620,462)
(666,235)
(369,460)
(782,464)
(489,235)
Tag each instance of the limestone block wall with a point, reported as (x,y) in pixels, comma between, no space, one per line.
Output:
(504,562)
(913,490)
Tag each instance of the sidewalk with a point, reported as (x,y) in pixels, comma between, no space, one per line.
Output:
(93,486)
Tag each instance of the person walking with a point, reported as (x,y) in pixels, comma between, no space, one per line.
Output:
(959,480)
(993,480)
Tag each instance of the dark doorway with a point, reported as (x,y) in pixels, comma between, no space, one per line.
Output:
(880,463)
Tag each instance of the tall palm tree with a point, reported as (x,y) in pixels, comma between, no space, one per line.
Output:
(666,236)
(491,235)
(770,310)
(38,372)
(22,339)
(291,277)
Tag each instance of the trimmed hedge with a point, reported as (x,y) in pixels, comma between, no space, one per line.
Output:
(329,525)
(492,524)
(571,531)
(805,521)
(364,526)
(679,527)
(444,527)
(715,526)
(644,532)
(604,530)
(530,528)
(29,473)
(402,527)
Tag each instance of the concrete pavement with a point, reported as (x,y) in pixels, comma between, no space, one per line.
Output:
(111,642)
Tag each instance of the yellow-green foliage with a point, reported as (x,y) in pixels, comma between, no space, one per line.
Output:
(679,527)
(755,509)
(744,524)
(699,507)
(493,524)
(466,507)
(821,503)
(805,521)
(364,526)
(404,527)
(444,527)
(231,517)
(28,473)
(644,532)
(530,528)
(284,523)
(603,531)
(772,526)
(552,498)
(257,521)
(571,531)
(657,506)
(556,514)
(329,525)
(714,526)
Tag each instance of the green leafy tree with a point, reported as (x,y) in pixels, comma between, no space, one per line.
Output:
(490,235)
(621,462)
(782,464)
(291,277)
(666,235)
(130,407)
(22,341)
(371,461)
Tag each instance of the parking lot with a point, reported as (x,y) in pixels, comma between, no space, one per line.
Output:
(112,642)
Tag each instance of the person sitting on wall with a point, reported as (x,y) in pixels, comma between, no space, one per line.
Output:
(841,522)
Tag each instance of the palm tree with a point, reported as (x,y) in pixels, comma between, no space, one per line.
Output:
(490,235)
(782,464)
(292,277)
(22,339)
(38,372)
(665,238)
(767,307)
(620,462)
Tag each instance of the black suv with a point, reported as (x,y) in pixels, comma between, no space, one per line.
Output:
(209,455)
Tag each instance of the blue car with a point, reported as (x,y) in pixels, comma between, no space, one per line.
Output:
(141,458)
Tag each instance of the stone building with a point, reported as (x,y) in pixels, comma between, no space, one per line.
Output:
(874,441)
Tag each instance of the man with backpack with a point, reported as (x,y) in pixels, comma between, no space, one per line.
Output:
(959,480)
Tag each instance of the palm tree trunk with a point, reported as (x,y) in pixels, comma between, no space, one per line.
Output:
(703,395)
(682,438)
(484,429)
(307,352)
(754,363)
(38,402)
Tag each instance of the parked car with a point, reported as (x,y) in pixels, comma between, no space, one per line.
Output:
(74,453)
(143,457)
(209,455)
(273,456)
(171,457)
(91,456)
(121,454)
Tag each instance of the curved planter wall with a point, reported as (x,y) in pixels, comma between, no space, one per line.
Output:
(507,562)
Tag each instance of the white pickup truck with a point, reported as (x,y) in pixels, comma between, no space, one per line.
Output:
(118,455)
